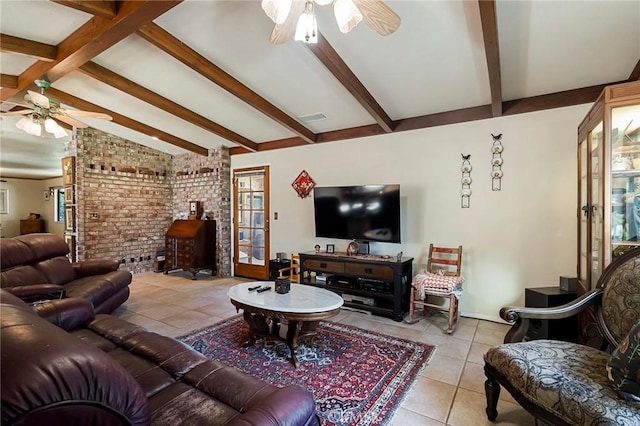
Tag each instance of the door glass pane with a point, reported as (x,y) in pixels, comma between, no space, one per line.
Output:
(597,242)
(584,217)
(251,224)
(625,178)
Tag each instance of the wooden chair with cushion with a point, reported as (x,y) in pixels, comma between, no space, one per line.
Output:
(565,383)
(292,271)
(442,280)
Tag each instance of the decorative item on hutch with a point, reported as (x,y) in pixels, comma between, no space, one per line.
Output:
(303,184)
(465,193)
(496,162)
(352,248)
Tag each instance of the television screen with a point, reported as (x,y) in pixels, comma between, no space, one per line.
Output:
(368,212)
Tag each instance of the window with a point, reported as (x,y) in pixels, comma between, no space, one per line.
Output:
(58,206)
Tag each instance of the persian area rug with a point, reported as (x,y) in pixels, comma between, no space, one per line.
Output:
(356,376)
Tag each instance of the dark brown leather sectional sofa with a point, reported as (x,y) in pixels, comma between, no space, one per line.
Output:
(65,366)
(35,266)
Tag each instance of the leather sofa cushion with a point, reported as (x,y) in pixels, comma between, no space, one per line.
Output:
(57,270)
(14,252)
(44,246)
(21,276)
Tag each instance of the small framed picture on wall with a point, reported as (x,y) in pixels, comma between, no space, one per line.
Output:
(68,195)
(331,248)
(68,170)
(69,219)
(71,242)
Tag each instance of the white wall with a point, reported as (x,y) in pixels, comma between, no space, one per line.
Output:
(27,196)
(522,236)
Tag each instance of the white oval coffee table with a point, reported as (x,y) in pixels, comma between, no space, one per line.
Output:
(301,309)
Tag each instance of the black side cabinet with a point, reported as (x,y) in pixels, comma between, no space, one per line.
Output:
(545,297)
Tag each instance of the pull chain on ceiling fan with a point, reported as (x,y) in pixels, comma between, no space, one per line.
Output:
(296,18)
(42,111)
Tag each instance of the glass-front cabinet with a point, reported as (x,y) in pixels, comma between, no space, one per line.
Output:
(608,181)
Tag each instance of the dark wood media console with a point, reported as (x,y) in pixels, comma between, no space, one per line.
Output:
(367,282)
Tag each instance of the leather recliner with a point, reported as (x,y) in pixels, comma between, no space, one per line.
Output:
(35,267)
(106,371)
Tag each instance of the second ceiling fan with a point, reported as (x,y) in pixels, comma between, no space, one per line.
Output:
(296,18)
(42,111)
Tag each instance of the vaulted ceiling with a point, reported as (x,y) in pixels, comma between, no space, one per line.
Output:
(191,75)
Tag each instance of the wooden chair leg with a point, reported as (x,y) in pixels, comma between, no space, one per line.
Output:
(492,392)
(412,307)
(453,313)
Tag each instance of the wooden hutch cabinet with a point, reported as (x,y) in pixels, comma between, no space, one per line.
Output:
(190,245)
(608,185)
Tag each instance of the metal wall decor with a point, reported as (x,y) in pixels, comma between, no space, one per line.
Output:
(496,162)
(465,193)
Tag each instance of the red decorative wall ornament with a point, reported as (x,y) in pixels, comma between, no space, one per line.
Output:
(303,184)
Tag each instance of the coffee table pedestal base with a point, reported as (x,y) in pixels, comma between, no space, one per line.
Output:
(267,324)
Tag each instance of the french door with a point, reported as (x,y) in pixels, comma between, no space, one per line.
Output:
(251,222)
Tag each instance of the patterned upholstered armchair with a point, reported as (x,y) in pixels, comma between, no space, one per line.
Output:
(566,383)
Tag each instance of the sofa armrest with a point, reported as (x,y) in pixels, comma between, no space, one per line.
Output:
(520,316)
(52,377)
(88,268)
(34,292)
(67,314)
(291,405)
(260,403)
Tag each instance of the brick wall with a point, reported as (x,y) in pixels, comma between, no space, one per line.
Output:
(127,195)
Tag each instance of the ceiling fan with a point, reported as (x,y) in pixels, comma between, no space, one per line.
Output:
(296,18)
(42,111)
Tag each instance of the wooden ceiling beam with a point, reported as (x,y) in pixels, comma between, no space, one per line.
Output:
(22,46)
(107,9)
(9,81)
(130,123)
(160,38)
(563,99)
(334,63)
(91,39)
(492,52)
(109,77)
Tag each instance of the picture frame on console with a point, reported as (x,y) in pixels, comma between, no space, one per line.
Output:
(331,248)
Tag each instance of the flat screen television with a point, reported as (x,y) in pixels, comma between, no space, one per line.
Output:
(367,212)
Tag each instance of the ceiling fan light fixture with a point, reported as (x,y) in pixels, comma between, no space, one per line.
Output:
(51,126)
(30,126)
(277,10)
(307,28)
(347,15)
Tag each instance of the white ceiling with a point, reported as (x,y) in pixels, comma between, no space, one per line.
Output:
(434,63)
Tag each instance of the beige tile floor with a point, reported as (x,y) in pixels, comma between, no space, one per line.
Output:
(448,391)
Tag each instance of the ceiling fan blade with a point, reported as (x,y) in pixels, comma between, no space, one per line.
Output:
(89,114)
(20,112)
(284,32)
(378,16)
(70,121)
(38,99)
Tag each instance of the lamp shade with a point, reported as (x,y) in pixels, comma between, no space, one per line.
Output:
(277,10)
(51,126)
(27,124)
(307,28)
(347,15)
